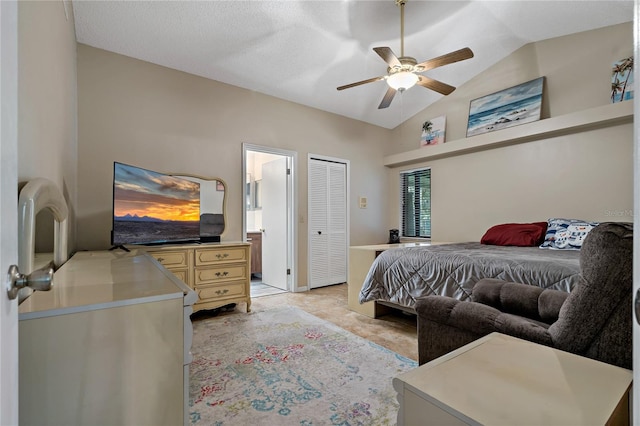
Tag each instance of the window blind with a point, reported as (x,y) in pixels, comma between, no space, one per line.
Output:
(415,190)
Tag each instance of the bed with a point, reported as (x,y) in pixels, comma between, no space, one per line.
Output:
(398,276)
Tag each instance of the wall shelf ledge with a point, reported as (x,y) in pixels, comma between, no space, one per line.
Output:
(580,121)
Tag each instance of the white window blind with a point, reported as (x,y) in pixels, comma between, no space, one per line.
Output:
(415,190)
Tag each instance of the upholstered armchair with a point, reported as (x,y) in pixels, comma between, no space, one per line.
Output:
(594,320)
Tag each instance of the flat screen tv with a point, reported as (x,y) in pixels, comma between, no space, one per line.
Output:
(153,208)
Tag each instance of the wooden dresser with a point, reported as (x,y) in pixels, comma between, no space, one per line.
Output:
(219,272)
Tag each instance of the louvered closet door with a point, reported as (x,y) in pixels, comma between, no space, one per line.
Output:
(327,223)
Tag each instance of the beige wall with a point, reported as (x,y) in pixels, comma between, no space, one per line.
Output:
(588,175)
(47,129)
(161,119)
(154,117)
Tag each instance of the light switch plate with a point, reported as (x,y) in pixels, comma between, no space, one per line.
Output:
(362,201)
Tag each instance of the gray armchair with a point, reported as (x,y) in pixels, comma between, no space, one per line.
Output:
(594,320)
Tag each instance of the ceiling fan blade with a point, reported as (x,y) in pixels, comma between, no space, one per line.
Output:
(388,97)
(388,56)
(358,83)
(436,85)
(449,58)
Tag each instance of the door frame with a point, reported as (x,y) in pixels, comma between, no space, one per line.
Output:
(347,164)
(635,390)
(8,209)
(292,207)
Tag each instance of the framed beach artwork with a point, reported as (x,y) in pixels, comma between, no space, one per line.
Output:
(622,80)
(507,108)
(433,131)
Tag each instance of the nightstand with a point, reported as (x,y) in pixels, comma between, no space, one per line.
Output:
(360,260)
(502,380)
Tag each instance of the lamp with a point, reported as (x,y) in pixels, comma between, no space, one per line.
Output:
(402,80)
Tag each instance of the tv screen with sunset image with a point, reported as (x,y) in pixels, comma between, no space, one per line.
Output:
(152,208)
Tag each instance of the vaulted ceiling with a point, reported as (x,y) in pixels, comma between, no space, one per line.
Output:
(301,50)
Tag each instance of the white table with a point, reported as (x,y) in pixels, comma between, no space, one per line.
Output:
(360,260)
(501,380)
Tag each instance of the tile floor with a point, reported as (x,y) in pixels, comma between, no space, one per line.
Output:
(396,331)
(259,289)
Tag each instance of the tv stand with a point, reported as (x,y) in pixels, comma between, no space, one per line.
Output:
(121,247)
(220,273)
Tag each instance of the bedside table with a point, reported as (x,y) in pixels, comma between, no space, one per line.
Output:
(360,260)
(503,380)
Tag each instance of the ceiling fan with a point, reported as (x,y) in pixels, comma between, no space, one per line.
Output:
(403,71)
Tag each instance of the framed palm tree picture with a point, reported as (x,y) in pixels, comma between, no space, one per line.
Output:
(622,80)
(433,131)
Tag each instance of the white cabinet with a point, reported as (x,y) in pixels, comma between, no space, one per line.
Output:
(327,223)
(109,344)
(502,380)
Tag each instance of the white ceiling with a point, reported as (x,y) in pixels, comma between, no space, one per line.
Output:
(302,50)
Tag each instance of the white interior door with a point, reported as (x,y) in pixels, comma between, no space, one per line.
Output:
(318,224)
(8,210)
(636,224)
(274,223)
(337,225)
(327,193)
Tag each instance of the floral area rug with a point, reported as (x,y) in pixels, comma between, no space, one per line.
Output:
(285,366)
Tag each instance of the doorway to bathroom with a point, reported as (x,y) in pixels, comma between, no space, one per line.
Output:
(268,210)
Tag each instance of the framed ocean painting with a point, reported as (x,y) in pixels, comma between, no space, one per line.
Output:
(507,108)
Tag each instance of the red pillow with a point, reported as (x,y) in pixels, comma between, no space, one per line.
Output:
(516,234)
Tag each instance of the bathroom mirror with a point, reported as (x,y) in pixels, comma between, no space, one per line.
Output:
(252,192)
(212,204)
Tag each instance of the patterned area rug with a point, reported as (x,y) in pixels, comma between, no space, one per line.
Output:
(285,366)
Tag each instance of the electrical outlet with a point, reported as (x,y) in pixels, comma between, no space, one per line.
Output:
(362,201)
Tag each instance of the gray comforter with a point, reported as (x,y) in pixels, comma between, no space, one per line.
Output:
(400,275)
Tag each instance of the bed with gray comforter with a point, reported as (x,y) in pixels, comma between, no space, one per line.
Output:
(401,275)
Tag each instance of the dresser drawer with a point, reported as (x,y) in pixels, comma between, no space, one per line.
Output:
(181,274)
(220,255)
(220,291)
(220,273)
(172,259)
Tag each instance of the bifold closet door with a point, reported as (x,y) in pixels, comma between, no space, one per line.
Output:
(327,223)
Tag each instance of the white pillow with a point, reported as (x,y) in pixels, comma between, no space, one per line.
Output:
(566,234)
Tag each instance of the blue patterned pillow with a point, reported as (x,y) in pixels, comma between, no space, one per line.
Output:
(566,234)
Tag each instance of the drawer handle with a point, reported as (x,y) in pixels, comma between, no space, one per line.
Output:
(160,259)
(221,292)
(222,256)
(222,274)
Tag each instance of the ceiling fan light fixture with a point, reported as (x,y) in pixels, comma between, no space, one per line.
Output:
(402,80)
(403,71)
